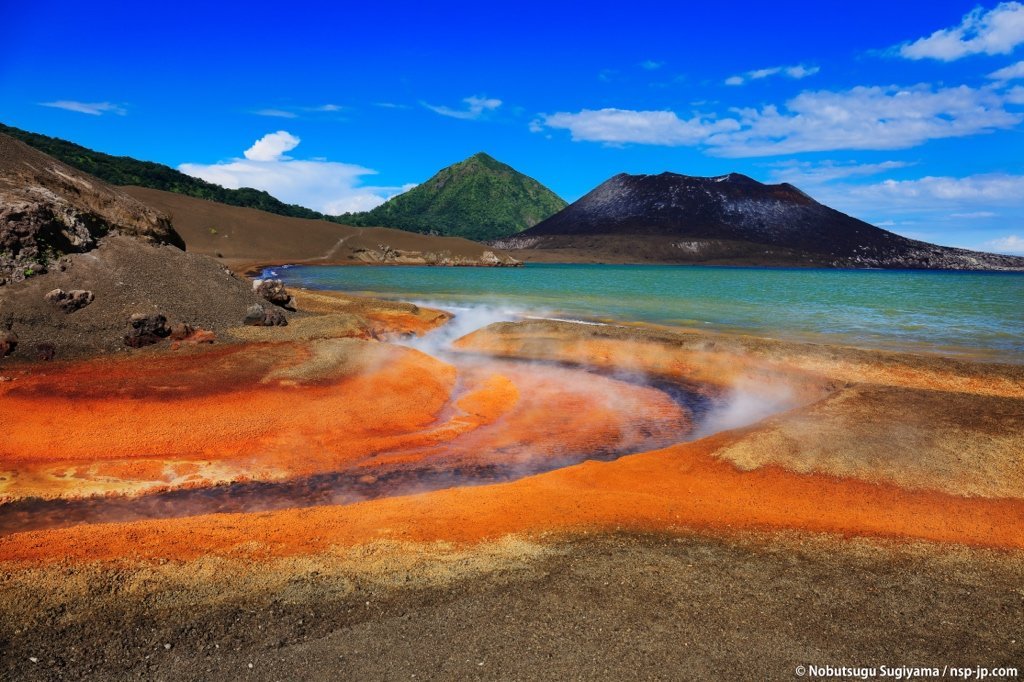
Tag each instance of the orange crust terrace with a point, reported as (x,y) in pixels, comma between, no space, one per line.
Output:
(274,412)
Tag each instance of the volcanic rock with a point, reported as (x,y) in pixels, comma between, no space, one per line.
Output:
(273,290)
(258,316)
(146,329)
(69,301)
(180,331)
(46,351)
(8,343)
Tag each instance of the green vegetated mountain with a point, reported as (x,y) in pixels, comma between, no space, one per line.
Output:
(479,198)
(124,170)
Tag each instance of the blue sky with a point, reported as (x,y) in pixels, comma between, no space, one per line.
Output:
(909,115)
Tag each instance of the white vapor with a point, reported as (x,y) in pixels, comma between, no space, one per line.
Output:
(467,319)
(745,404)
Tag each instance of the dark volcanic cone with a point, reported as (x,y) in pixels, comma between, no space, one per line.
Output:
(733,218)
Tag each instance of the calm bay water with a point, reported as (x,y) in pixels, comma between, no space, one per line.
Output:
(957,312)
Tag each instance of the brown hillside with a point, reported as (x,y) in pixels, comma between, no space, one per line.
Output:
(245,236)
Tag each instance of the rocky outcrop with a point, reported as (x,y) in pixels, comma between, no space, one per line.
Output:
(387,255)
(48,209)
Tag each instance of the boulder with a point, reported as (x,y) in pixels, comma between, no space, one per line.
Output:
(194,338)
(275,318)
(8,342)
(258,316)
(181,330)
(46,352)
(273,291)
(146,329)
(69,301)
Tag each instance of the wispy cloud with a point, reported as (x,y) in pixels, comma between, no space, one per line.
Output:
(865,118)
(476,107)
(651,65)
(857,119)
(296,111)
(798,72)
(1008,73)
(973,190)
(974,215)
(930,198)
(810,173)
(327,186)
(91,108)
(390,105)
(624,126)
(276,113)
(997,31)
(1011,243)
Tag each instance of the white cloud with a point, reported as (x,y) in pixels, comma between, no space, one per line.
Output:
(997,31)
(798,72)
(985,189)
(651,65)
(326,186)
(272,146)
(1011,244)
(1015,95)
(276,113)
(622,126)
(294,111)
(860,118)
(91,108)
(1007,73)
(808,173)
(974,215)
(969,197)
(965,202)
(864,118)
(475,108)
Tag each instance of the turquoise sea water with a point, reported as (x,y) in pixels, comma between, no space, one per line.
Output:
(950,312)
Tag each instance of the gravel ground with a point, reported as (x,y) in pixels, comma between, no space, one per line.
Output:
(126,276)
(612,607)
